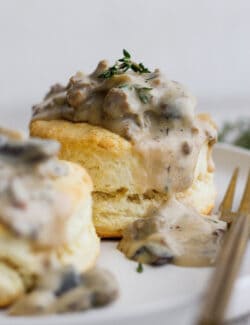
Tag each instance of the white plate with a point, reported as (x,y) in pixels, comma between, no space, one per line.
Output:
(161,295)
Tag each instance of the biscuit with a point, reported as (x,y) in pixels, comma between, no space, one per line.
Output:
(11,284)
(112,163)
(21,261)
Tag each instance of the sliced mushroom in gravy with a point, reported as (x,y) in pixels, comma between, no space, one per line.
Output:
(174,234)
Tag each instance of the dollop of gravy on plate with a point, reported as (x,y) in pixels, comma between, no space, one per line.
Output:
(176,233)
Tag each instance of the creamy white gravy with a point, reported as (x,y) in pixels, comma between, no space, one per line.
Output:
(155,114)
(30,205)
(176,233)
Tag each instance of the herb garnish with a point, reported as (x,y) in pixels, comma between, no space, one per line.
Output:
(142,92)
(122,65)
(152,76)
(139,268)
(237,133)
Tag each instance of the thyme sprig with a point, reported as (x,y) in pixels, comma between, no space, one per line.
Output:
(123,65)
(139,268)
(142,92)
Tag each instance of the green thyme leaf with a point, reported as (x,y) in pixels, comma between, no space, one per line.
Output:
(152,76)
(123,65)
(126,54)
(139,268)
(143,69)
(143,94)
(125,86)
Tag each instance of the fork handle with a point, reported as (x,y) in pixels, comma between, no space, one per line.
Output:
(227,267)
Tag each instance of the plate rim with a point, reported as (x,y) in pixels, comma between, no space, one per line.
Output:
(121,314)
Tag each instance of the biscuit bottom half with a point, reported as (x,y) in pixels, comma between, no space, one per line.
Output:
(111,163)
(114,211)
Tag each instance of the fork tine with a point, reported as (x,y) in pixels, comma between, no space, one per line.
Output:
(245,201)
(227,202)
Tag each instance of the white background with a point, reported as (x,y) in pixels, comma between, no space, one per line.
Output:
(203,43)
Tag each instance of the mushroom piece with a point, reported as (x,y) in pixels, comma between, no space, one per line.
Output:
(143,242)
(66,290)
(55,89)
(28,151)
(177,233)
(116,104)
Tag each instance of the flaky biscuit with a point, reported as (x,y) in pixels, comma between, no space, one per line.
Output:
(112,163)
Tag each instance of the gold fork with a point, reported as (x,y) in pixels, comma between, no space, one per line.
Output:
(230,255)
